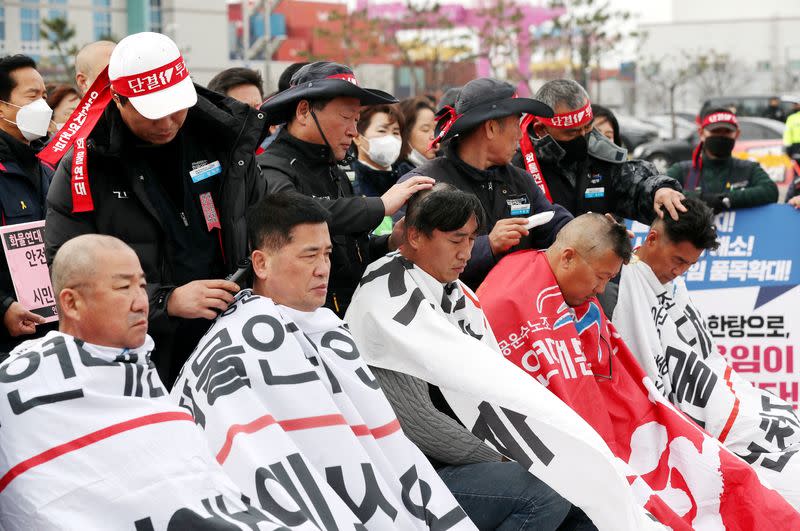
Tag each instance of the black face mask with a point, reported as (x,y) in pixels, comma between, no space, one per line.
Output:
(720,147)
(576,149)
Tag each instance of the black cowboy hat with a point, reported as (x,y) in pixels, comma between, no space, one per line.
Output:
(320,80)
(485,99)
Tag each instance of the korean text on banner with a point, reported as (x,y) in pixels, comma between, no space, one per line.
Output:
(23,245)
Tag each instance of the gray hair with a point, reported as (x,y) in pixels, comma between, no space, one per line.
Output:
(563,92)
(75,262)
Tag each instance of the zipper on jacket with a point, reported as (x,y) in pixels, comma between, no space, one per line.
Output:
(185,221)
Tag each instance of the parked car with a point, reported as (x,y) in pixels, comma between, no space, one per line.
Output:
(634,132)
(683,127)
(754,106)
(761,140)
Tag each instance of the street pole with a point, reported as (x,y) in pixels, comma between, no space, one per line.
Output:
(267,45)
(246,32)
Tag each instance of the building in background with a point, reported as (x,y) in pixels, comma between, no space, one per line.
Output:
(755,45)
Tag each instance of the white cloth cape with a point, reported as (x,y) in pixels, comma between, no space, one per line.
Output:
(669,338)
(284,396)
(404,320)
(90,440)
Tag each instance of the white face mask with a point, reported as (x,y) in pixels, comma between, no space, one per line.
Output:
(384,150)
(33,119)
(416,158)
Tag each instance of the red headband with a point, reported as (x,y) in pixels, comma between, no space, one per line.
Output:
(569,120)
(720,117)
(151,81)
(350,78)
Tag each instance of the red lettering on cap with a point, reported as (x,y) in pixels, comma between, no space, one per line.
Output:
(720,117)
(151,81)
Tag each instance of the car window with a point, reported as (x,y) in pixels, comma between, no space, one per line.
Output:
(751,131)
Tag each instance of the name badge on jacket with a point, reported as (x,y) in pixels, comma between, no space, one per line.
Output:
(204,172)
(519,205)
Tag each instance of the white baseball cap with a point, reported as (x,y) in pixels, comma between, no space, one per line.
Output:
(149,70)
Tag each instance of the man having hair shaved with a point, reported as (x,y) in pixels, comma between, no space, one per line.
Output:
(90,438)
(545,314)
(669,337)
(287,370)
(510,450)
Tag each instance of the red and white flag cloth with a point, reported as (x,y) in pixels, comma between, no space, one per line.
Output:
(669,338)
(404,320)
(684,477)
(90,440)
(284,396)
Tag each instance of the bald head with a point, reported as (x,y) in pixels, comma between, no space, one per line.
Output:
(90,61)
(588,252)
(100,289)
(76,261)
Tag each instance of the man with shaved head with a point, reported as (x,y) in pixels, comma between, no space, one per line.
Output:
(100,292)
(90,61)
(543,309)
(141,461)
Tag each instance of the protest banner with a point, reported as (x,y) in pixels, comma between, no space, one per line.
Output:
(747,293)
(23,245)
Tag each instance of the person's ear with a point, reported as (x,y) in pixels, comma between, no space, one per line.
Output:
(652,237)
(69,304)
(260,261)
(540,130)
(117,102)
(82,81)
(738,132)
(302,112)
(568,258)
(413,237)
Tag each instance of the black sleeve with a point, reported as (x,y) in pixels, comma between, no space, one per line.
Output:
(635,188)
(349,215)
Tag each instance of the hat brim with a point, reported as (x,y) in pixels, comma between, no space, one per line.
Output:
(281,107)
(498,109)
(721,125)
(165,102)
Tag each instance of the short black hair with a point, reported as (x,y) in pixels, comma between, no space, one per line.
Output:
(271,220)
(444,208)
(234,77)
(620,241)
(8,64)
(285,81)
(695,226)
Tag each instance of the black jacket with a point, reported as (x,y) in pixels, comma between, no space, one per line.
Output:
(606,182)
(216,129)
(371,182)
(292,164)
(504,192)
(23,189)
